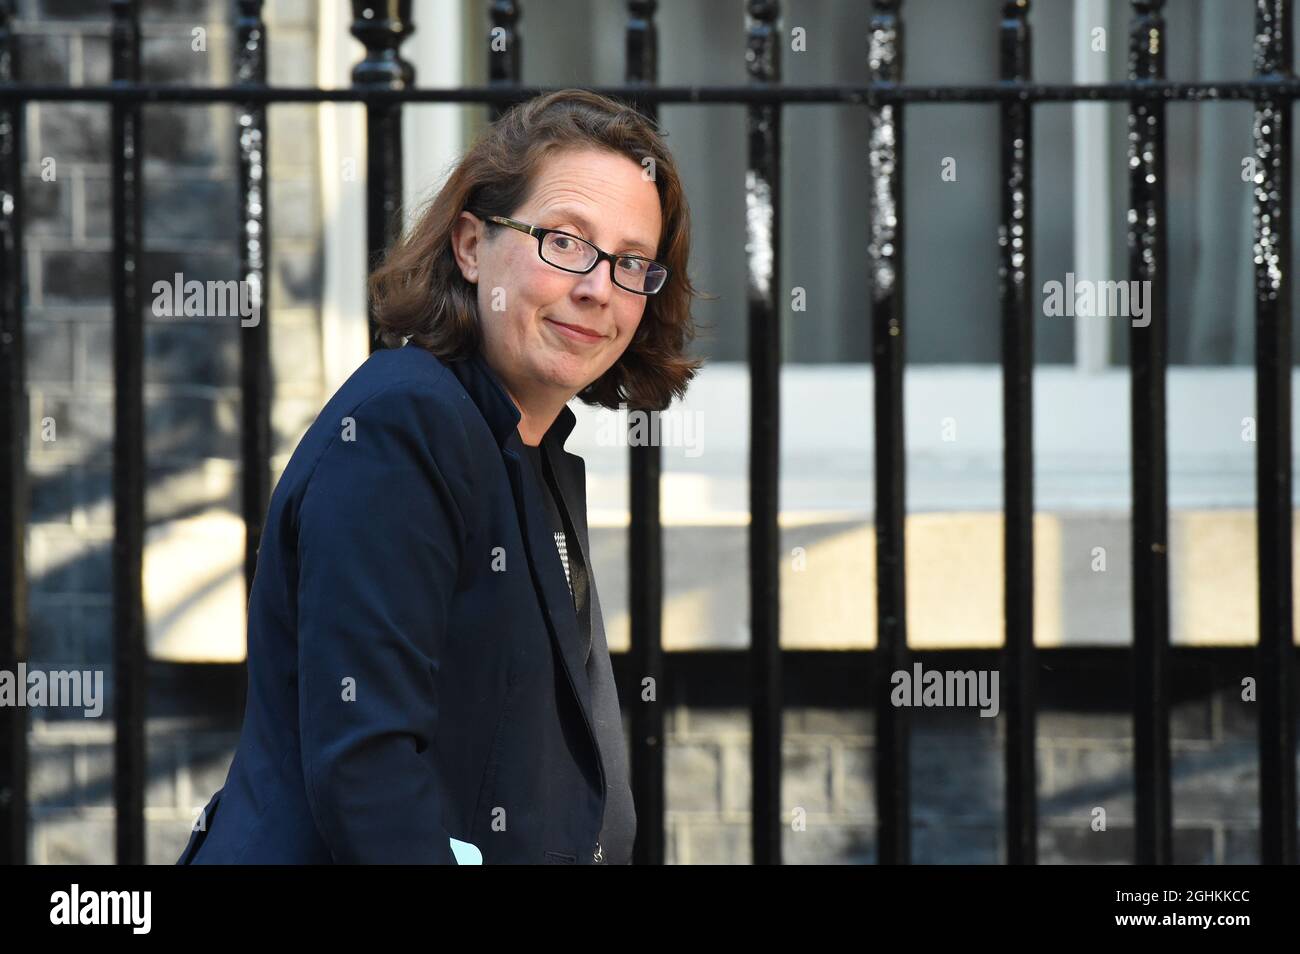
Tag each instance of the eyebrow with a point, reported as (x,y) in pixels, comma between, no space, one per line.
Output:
(568,212)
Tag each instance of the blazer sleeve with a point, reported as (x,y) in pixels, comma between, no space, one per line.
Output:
(380,540)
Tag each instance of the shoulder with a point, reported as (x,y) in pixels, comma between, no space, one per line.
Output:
(412,388)
(396,375)
(399,403)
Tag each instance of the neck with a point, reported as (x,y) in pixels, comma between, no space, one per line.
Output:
(536,415)
(538,406)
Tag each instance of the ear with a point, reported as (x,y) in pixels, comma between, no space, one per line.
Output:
(466,242)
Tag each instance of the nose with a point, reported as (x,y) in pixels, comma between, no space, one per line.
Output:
(597,285)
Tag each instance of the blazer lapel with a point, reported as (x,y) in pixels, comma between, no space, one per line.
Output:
(548,576)
(618,829)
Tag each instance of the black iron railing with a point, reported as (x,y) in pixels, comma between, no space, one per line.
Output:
(384,82)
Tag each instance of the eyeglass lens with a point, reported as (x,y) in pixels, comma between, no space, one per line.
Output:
(636,274)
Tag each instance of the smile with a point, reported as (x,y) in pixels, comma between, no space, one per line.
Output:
(576,334)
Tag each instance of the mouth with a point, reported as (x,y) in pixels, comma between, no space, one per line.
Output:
(574,332)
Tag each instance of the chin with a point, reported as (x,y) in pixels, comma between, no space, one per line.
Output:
(579,385)
(573,378)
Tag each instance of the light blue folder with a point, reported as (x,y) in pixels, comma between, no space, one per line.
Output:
(466,853)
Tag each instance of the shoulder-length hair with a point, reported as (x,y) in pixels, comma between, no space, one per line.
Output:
(418,292)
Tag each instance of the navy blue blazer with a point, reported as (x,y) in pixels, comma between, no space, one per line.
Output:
(416,668)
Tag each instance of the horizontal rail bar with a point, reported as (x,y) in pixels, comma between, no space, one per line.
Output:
(1265,88)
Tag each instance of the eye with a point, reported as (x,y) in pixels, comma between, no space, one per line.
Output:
(634,265)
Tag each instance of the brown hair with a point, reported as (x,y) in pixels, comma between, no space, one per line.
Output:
(419,292)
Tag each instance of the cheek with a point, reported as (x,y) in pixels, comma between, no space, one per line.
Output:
(533,288)
(631,321)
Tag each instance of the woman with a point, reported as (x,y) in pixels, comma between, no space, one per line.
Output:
(426,655)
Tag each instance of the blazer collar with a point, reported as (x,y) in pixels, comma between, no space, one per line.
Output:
(494,403)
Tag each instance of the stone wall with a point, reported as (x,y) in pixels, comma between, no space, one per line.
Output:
(1085,761)
(192,396)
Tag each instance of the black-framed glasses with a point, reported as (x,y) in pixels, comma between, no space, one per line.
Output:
(635,273)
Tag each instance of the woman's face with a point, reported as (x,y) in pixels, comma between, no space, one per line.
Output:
(523,302)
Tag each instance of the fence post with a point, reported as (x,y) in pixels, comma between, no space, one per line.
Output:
(1148,264)
(504,54)
(1276,653)
(1016,288)
(763,254)
(645,542)
(13,441)
(382,27)
(129,671)
(254,251)
(885,271)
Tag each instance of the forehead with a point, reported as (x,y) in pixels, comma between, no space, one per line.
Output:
(603,191)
